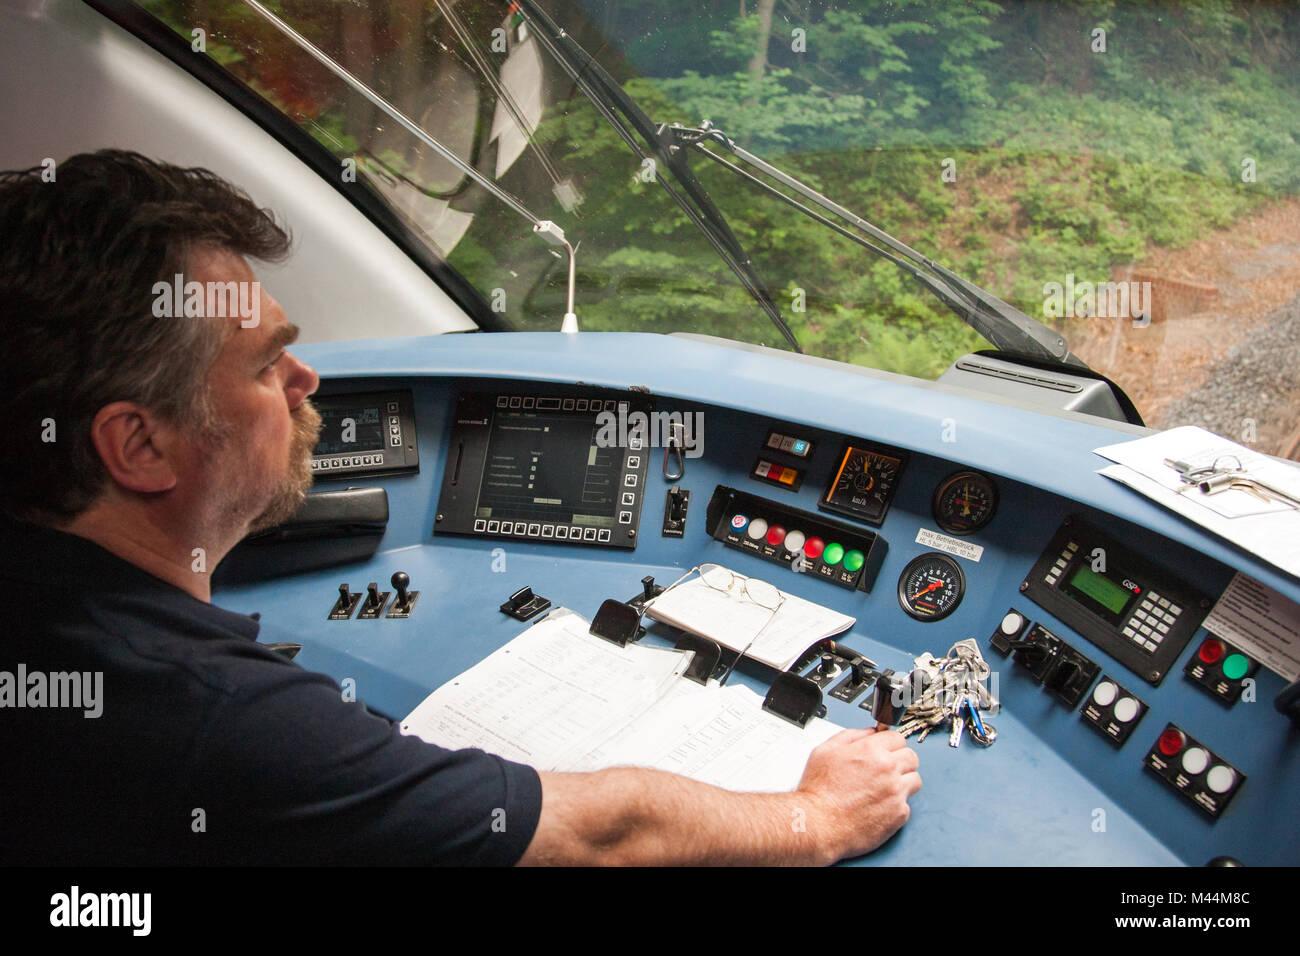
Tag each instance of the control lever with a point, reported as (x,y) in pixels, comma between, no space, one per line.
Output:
(373,608)
(405,602)
(887,705)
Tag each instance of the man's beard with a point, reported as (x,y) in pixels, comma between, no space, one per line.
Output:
(291,492)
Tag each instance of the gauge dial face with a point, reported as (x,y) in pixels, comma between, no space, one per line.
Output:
(864,483)
(931,586)
(964,502)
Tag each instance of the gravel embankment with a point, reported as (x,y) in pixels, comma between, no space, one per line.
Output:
(1258,379)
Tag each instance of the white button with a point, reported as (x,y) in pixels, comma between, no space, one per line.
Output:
(1195,760)
(794,542)
(757,529)
(1105,693)
(1126,709)
(1012,623)
(1220,779)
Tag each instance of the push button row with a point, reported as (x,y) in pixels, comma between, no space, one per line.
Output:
(533,529)
(1193,770)
(345,461)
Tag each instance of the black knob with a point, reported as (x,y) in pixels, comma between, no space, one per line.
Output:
(401,581)
(828,666)
(861,672)
(372,591)
(344,595)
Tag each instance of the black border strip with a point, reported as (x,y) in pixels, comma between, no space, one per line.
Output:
(161,38)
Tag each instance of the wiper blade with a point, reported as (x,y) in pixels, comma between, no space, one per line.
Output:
(611,100)
(1001,323)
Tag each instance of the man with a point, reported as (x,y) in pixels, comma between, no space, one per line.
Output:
(146,442)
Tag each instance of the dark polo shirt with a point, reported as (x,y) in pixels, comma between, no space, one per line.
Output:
(208,747)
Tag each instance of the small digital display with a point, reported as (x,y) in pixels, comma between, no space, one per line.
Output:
(549,467)
(350,430)
(1107,597)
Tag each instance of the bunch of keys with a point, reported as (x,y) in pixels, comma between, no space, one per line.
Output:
(954,692)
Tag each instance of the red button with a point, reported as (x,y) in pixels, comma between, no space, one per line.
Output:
(775,535)
(1172,741)
(814,547)
(1211,651)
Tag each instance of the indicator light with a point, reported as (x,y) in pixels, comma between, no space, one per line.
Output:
(1210,651)
(794,541)
(813,547)
(757,529)
(775,535)
(834,551)
(739,522)
(1171,741)
(853,560)
(1235,666)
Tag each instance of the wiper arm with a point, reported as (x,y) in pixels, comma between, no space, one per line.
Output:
(1001,323)
(611,101)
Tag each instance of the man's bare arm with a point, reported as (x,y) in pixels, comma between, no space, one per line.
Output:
(853,797)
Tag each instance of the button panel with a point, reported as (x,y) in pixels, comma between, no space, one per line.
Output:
(788,445)
(1220,669)
(1112,711)
(803,542)
(783,476)
(1190,768)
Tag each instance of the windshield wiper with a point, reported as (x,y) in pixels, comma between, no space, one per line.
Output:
(611,101)
(1001,323)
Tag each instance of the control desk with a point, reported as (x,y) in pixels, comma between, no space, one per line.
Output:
(1128,734)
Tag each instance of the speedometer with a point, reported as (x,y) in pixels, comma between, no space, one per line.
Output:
(931,586)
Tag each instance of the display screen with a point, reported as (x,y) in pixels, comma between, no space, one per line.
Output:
(352,430)
(1101,589)
(548,467)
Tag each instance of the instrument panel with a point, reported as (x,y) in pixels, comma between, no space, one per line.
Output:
(1088,750)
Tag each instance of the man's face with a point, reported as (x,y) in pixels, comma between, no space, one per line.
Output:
(259,453)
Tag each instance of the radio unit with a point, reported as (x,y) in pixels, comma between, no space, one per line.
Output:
(1139,613)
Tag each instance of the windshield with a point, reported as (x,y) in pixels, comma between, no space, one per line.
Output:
(1126,173)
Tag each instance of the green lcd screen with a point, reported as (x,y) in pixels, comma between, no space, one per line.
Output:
(1101,589)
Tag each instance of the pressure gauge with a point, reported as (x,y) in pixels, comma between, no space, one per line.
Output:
(931,586)
(964,502)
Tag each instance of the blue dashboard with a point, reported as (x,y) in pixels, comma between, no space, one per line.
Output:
(1050,790)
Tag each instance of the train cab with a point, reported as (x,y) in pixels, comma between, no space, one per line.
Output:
(797,310)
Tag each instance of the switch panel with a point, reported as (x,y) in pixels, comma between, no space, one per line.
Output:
(1112,711)
(1191,769)
(1220,669)
(1056,665)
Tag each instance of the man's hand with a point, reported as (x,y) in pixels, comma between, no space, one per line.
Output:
(858,783)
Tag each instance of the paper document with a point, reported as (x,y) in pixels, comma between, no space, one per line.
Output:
(1268,529)
(560,699)
(733,620)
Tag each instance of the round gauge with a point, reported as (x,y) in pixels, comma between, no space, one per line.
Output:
(931,586)
(964,502)
(864,484)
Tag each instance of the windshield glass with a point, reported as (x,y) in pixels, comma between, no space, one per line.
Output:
(1126,173)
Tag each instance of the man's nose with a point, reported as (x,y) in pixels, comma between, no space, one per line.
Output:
(302,382)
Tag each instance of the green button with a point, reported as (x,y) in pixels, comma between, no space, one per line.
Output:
(834,551)
(1235,666)
(853,560)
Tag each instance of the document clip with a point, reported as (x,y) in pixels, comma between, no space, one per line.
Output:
(707,656)
(618,622)
(794,698)
(524,605)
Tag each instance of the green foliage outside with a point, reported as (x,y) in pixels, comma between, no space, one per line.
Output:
(1068,159)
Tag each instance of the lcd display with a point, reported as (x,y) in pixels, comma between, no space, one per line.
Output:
(349,430)
(1101,589)
(547,467)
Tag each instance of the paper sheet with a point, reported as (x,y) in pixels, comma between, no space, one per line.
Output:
(548,696)
(559,699)
(1270,531)
(717,735)
(733,620)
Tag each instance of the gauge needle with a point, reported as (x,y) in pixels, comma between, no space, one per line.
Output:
(932,586)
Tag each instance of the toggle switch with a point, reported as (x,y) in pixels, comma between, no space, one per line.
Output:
(373,607)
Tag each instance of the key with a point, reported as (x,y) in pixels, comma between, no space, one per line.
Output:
(958,725)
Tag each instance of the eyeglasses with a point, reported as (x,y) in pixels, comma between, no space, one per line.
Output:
(620,622)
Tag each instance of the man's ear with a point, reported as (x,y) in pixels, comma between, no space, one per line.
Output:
(136,447)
